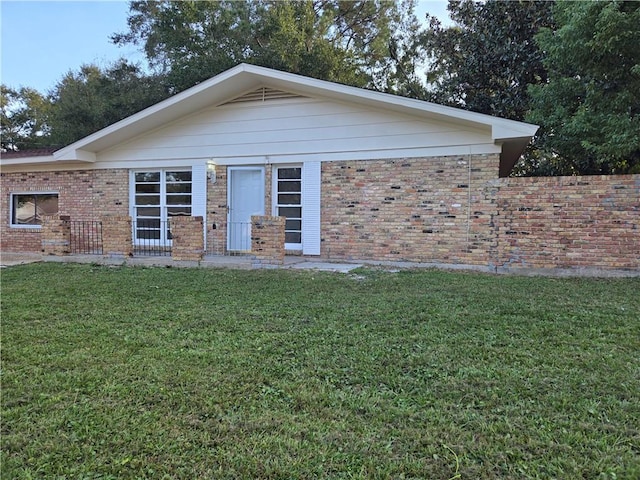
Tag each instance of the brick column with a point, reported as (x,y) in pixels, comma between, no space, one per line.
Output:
(187,235)
(116,236)
(56,235)
(267,240)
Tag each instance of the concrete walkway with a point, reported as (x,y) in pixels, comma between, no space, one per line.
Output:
(212,261)
(11,259)
(302,263)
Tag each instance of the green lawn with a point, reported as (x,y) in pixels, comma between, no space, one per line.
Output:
(117,373)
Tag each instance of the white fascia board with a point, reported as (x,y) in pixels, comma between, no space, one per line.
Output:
(26,160)
(81,155)
(50,166)
(51,160)
(509,129)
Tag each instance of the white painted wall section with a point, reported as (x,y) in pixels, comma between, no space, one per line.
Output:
(311,183)
(199,191)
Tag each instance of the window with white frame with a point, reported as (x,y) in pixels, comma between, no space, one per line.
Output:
(157,196)
(27,209)
(288,204)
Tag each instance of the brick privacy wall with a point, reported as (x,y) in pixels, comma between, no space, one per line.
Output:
(187,238)
(83,195)
(116,235)
(438,209)
(267,240)
(569,222)
(56,235)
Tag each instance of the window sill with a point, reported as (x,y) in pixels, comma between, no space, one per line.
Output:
(26,227)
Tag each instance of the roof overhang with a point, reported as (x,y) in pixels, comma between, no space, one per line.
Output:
(512,135)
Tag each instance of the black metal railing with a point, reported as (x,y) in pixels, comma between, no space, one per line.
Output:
(151,237)
(85,237)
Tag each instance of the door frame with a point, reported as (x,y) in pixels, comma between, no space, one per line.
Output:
(230,171)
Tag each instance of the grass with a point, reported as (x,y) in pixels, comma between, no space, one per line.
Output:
(118,373)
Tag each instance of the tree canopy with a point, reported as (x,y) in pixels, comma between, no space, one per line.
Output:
(590,107)
(571,67)
(336,40)
(486,60)
(90,99)
(24,119)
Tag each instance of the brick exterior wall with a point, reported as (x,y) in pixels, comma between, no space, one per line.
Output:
(420,209)
(569,222)
(445,210)
(56,235)
(82,194)
(267,240)
(217,213)
(187,238)
(116,236)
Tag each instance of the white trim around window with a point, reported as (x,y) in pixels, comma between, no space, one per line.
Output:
(32,210)
(287,195)
(155,195)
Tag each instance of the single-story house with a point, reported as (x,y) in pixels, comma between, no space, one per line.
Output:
(358,174)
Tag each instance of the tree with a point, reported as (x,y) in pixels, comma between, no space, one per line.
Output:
(403,72)
(23,119)
(85,101)
(337,40)
(590,107)
(486,61)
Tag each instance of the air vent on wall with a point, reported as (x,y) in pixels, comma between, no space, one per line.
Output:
(263,94)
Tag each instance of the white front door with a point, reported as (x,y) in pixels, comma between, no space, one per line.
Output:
(245,198)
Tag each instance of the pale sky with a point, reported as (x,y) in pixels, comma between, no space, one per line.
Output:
(43,40)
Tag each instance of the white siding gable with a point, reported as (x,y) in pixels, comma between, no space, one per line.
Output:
(298,129)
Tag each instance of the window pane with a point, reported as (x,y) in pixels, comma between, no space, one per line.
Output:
(24,210)
(148,212)
(289,199)
(293,225)
(148,234)
(148,223)
(147,188)
(291,173)
(148,177)
(147,199)
(290,212)
(178,199)
(172,211)
(179,176)
(293,237)
(291,186)
(46,204)
(178,188)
